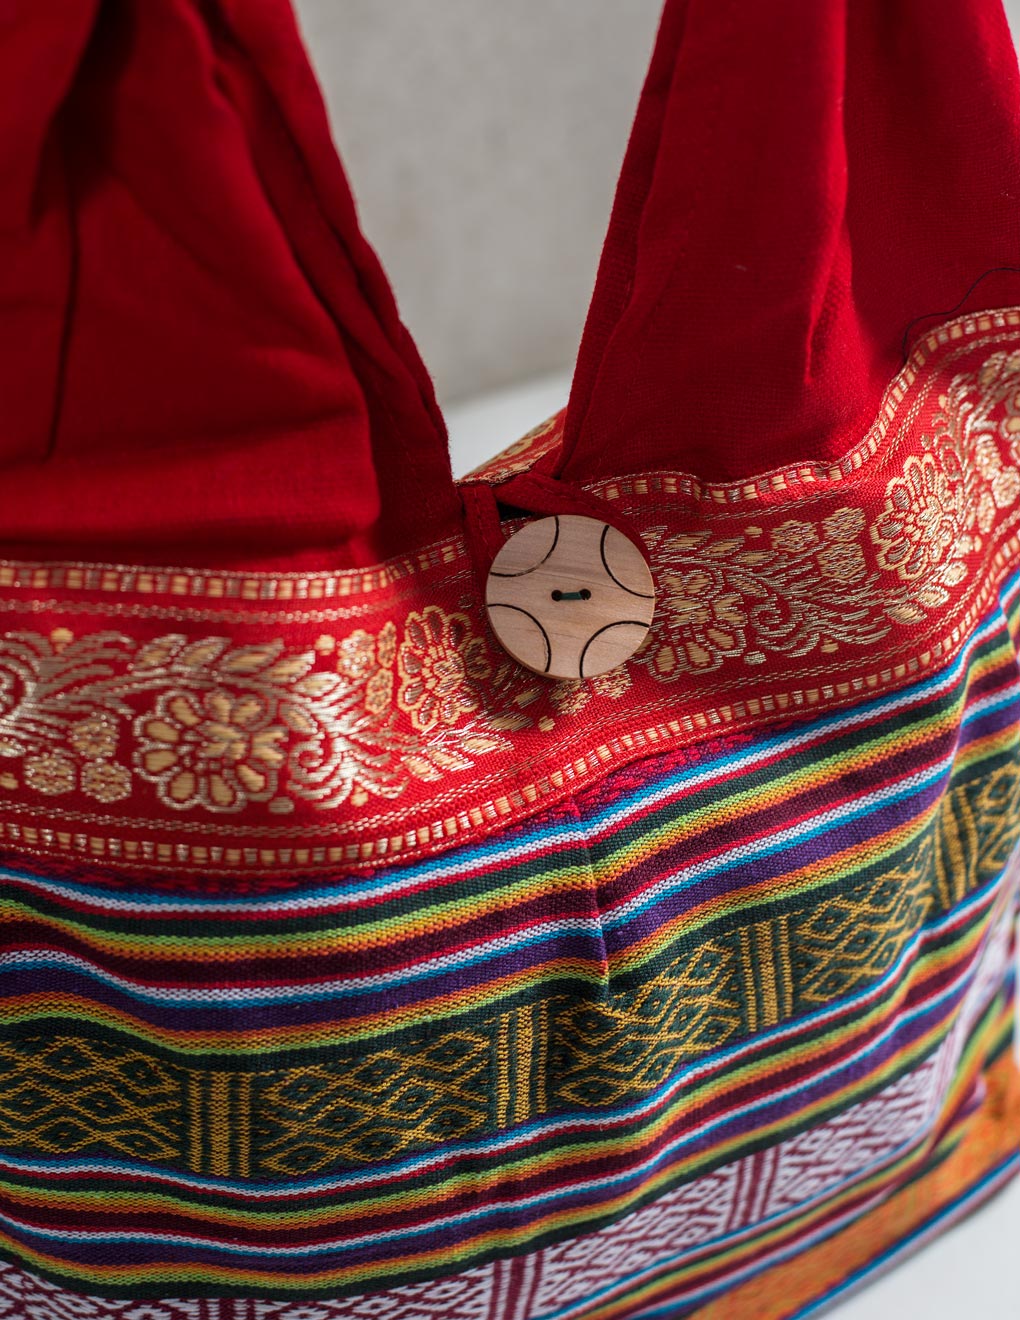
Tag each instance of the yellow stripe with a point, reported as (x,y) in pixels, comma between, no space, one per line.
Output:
(242,1125)
(502,1073)
(195,1120)
(219,1125)
(525,1050)
(767,974)
(786,965)
(750,997)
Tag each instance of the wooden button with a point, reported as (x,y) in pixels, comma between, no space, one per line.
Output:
(570,596)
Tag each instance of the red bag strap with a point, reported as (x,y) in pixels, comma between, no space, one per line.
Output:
(804,180)
(199,352)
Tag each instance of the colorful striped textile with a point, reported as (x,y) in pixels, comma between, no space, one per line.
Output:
(346,973)
(609,1063)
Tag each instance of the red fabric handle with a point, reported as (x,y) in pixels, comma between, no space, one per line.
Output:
(199,352)
(534,493)
(805,178)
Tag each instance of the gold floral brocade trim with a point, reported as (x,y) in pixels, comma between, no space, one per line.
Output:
(229,734)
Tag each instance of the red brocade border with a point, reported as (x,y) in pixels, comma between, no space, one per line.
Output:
(199,721)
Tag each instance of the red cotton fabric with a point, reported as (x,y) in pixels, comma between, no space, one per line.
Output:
(199,351)
(349,967)
(804,180)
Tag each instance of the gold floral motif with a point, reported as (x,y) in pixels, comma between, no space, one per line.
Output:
(369,659)
(51,773)
(442,665)
(707,625)
(357,654)
(1002,484)
(379,692)
(216,726)
(845,524)
(105,781)
(924,523)
(94,737)
(207,724)
(386,645)
(740,596)
(212,748)
(948,496)
(795,537)
(569,696)
(841,558)
(842,561)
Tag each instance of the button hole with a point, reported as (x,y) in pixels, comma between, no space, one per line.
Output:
(583,594)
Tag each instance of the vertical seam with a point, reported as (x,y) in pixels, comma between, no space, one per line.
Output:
(70,305)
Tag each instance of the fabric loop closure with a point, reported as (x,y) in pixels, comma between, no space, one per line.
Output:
(532,493)
(580,637)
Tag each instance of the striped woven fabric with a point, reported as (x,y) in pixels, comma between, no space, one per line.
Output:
(730,1011)
(349,972)
(352,970)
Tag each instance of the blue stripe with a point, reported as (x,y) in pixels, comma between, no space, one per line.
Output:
(687,1075)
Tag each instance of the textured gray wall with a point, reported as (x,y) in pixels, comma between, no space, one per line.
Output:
(483,139)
